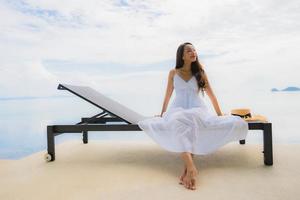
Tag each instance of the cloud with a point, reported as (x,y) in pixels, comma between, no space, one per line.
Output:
(251,41)
(26,79)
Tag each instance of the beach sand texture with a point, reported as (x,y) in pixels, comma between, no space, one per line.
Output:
(142,170)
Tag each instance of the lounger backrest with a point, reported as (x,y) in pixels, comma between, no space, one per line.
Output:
(104,103)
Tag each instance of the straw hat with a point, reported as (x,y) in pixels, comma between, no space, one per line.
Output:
(245,113)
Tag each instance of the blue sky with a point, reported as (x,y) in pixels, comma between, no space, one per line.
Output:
(241,43)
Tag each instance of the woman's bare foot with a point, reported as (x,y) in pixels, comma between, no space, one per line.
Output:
(182,176)
(189,181)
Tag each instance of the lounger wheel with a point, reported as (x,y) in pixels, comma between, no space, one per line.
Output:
(48,157)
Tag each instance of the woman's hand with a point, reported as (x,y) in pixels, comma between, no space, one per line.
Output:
(221,114)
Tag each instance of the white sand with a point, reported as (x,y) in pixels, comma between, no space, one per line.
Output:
(142,170)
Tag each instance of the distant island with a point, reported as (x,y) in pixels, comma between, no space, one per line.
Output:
(288,89)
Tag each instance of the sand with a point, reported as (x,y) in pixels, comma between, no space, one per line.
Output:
(143,170)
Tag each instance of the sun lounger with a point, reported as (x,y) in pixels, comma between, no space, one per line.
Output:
(124,119)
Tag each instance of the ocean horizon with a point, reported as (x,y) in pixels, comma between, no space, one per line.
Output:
(24,120)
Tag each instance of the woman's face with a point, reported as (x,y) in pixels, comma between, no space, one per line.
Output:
(189,53)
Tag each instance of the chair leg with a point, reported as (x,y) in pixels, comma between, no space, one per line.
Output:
(51,142)
(268,146)
(85,137)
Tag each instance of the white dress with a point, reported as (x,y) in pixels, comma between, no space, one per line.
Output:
(188,126)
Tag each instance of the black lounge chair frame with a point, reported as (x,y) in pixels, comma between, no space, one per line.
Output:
(99,123)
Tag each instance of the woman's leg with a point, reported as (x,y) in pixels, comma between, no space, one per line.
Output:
(184,172)
(190,173)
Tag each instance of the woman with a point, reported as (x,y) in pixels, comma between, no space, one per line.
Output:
(187,126)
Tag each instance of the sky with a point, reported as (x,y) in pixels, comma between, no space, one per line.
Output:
(128,47)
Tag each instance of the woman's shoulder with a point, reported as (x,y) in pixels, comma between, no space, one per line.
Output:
(172,72)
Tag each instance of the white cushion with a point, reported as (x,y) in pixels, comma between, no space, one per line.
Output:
(106,103)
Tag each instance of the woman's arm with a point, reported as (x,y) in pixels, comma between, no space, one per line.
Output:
(211,95)
(169,91)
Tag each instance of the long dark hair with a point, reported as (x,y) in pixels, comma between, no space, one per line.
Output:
(196,67)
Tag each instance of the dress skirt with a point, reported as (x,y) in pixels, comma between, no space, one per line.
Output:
(194,130)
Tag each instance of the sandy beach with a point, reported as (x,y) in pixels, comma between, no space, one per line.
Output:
(142,170)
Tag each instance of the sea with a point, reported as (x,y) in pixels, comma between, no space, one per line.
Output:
(23,121)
